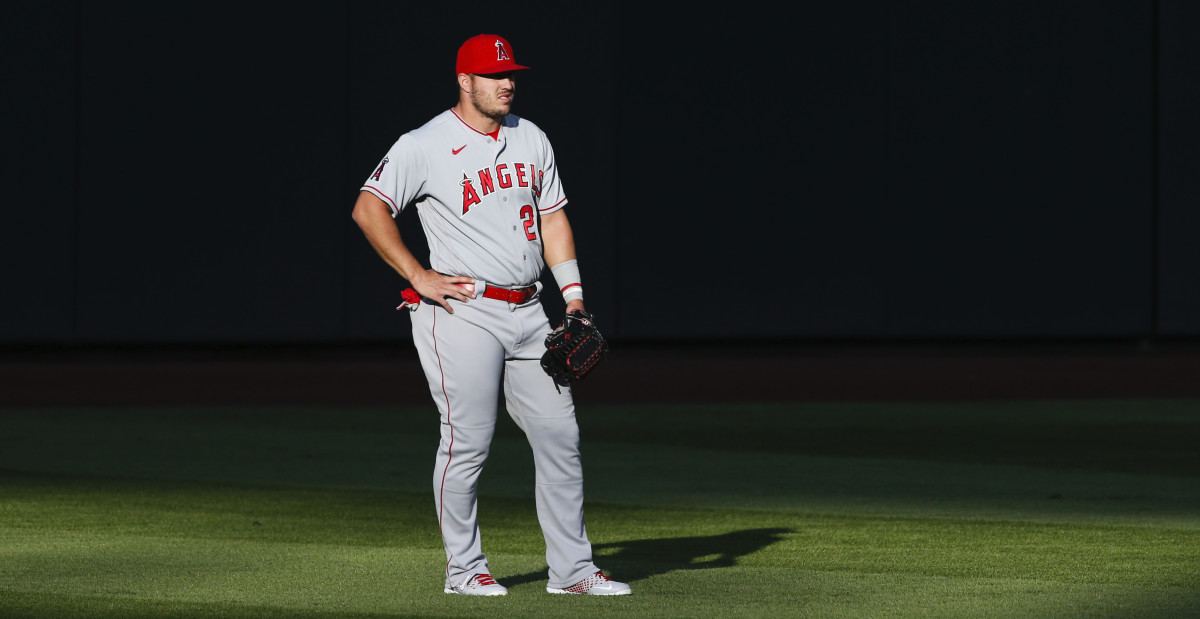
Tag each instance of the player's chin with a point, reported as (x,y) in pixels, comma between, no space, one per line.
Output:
(498,112)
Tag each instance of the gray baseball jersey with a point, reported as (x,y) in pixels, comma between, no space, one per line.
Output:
(477,197)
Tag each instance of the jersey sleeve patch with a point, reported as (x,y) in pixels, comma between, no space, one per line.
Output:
(399,177)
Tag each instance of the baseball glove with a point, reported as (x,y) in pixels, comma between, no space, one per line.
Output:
(573,349)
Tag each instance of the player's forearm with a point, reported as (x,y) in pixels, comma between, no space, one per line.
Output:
(375,220)
(558,247)
(558,242)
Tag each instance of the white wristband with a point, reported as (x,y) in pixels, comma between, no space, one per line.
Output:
(566,274)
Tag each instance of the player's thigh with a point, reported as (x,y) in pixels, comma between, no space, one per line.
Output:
(548,420)
(530,393)
(528,390)
(463,363)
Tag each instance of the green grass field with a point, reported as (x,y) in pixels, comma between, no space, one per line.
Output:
(1026,509)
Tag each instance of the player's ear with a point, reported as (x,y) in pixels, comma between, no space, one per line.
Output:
(464,82)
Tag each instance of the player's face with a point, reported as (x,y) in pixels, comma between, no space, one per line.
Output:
(492,95)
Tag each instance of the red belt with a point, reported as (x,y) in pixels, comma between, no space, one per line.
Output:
(520,295)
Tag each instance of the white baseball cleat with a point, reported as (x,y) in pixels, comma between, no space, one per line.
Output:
(479,584)
(596,584)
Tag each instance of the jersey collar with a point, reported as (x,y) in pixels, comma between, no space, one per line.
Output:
(495,136)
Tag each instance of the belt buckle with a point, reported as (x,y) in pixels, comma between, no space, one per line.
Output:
(519,295)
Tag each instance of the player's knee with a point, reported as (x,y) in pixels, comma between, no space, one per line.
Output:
(565,469)
(466,457)
(464,450)
(460,472)
(555,444)
(553,431)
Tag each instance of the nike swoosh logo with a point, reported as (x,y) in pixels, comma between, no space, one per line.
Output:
(455,151)
(604,588)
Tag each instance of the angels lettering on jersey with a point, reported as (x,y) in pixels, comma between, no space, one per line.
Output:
(501,176)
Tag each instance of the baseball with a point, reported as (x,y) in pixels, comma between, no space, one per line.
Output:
(469,288)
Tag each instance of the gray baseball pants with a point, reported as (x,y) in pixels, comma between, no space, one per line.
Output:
(466,357)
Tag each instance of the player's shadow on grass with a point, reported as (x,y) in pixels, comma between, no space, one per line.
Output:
(642,558)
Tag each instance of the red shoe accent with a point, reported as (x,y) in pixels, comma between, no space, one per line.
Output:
(587,583)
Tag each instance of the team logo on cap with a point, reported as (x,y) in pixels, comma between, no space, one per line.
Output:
(501,53)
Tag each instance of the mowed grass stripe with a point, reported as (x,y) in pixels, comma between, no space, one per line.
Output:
(317,512)
(634,456)
(384,518)
(116,529)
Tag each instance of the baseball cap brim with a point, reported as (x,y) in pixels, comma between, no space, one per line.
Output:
(499,67)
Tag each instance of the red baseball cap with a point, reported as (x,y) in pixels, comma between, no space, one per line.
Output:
(486,53)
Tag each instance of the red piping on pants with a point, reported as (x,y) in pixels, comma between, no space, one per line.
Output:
(450,448)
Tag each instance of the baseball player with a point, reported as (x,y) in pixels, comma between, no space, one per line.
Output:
(490,201)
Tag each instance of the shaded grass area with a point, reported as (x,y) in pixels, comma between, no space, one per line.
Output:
(1133,436)
(1012,509)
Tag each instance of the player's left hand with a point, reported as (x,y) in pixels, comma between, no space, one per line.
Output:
(574,348)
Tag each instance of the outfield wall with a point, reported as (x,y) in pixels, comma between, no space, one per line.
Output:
(184,172)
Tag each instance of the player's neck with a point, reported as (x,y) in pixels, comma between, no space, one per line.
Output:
(477,121)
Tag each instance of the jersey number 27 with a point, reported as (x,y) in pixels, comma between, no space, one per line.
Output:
(529,218)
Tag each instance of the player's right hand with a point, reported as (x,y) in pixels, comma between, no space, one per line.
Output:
(441,288)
